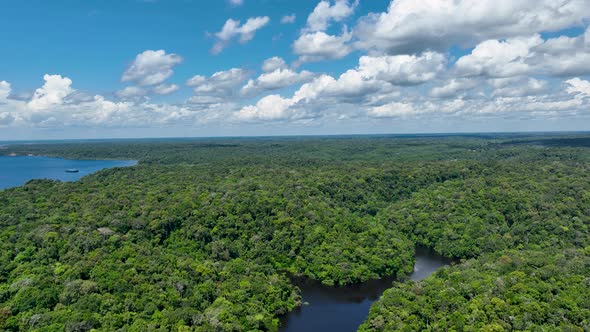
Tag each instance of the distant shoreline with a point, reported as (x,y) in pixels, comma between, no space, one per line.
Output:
(310,136)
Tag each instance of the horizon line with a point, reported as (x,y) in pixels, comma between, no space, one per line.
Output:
(303,136)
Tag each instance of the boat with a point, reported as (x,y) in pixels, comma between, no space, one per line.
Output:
(72,170)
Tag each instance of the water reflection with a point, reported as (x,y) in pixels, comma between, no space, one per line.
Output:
(345,308)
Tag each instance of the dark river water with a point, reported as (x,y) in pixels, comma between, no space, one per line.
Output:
(16,171)
(344,309)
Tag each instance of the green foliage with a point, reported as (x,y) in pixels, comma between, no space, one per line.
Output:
(203,235)
(510,290)
(509,204)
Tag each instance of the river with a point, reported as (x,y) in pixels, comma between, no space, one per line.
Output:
(344,309)
(16,171)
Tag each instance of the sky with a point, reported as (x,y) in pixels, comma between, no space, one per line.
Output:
(194,68)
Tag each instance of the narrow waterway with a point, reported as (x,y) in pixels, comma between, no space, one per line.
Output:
(343,309)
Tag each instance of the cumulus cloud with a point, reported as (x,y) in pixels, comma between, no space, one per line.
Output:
(165,89)
(151,68)
(516,106)
(317,46)
(350,87)
(288,19)
(275,107)
(578,86)
(232,29)
(220,84)
(453,87)
(277,79)
(391,110)
(373,75)
(495,58)
(559,56)
(518,87)
(271,107)
(416,25)
(6,117)
(314,44)
(131,92)
(374,86)
(135,92)
(52,93)
(274,63)
(325,13)
(564,56)
(403,69)
(4,90)
(56,104)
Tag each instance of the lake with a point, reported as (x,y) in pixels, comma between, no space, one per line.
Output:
(346,308)
(16,171)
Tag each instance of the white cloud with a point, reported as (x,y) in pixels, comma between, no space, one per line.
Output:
(453,87)
(165,89)
(275,107)
(277,79)
(578,86)
(205,100)
(131,92)
(559,56)
(244,32)
(312,90)
(272,107)
(317,46)
(373,79)
(325,13)
(403,69)
(6,118)
(564,56)
(495,58)
(57,105)
(151,67)
(414,25)
(221,83)
(236,2)
(52,93)
(196,80)
(519,87)
(288,19)
(4,90)
(314,44)
(274,63)
(351,87)
(134,92)
(392,110)
(356,93)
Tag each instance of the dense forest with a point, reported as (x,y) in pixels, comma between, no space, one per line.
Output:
(205,235)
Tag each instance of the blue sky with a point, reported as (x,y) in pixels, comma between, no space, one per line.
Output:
(92,42)
(137,68)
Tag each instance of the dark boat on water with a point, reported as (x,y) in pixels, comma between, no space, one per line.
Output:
(72,170)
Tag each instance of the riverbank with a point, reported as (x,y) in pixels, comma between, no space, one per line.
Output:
(346,308)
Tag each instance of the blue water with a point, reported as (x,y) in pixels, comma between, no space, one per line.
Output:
(16,171)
